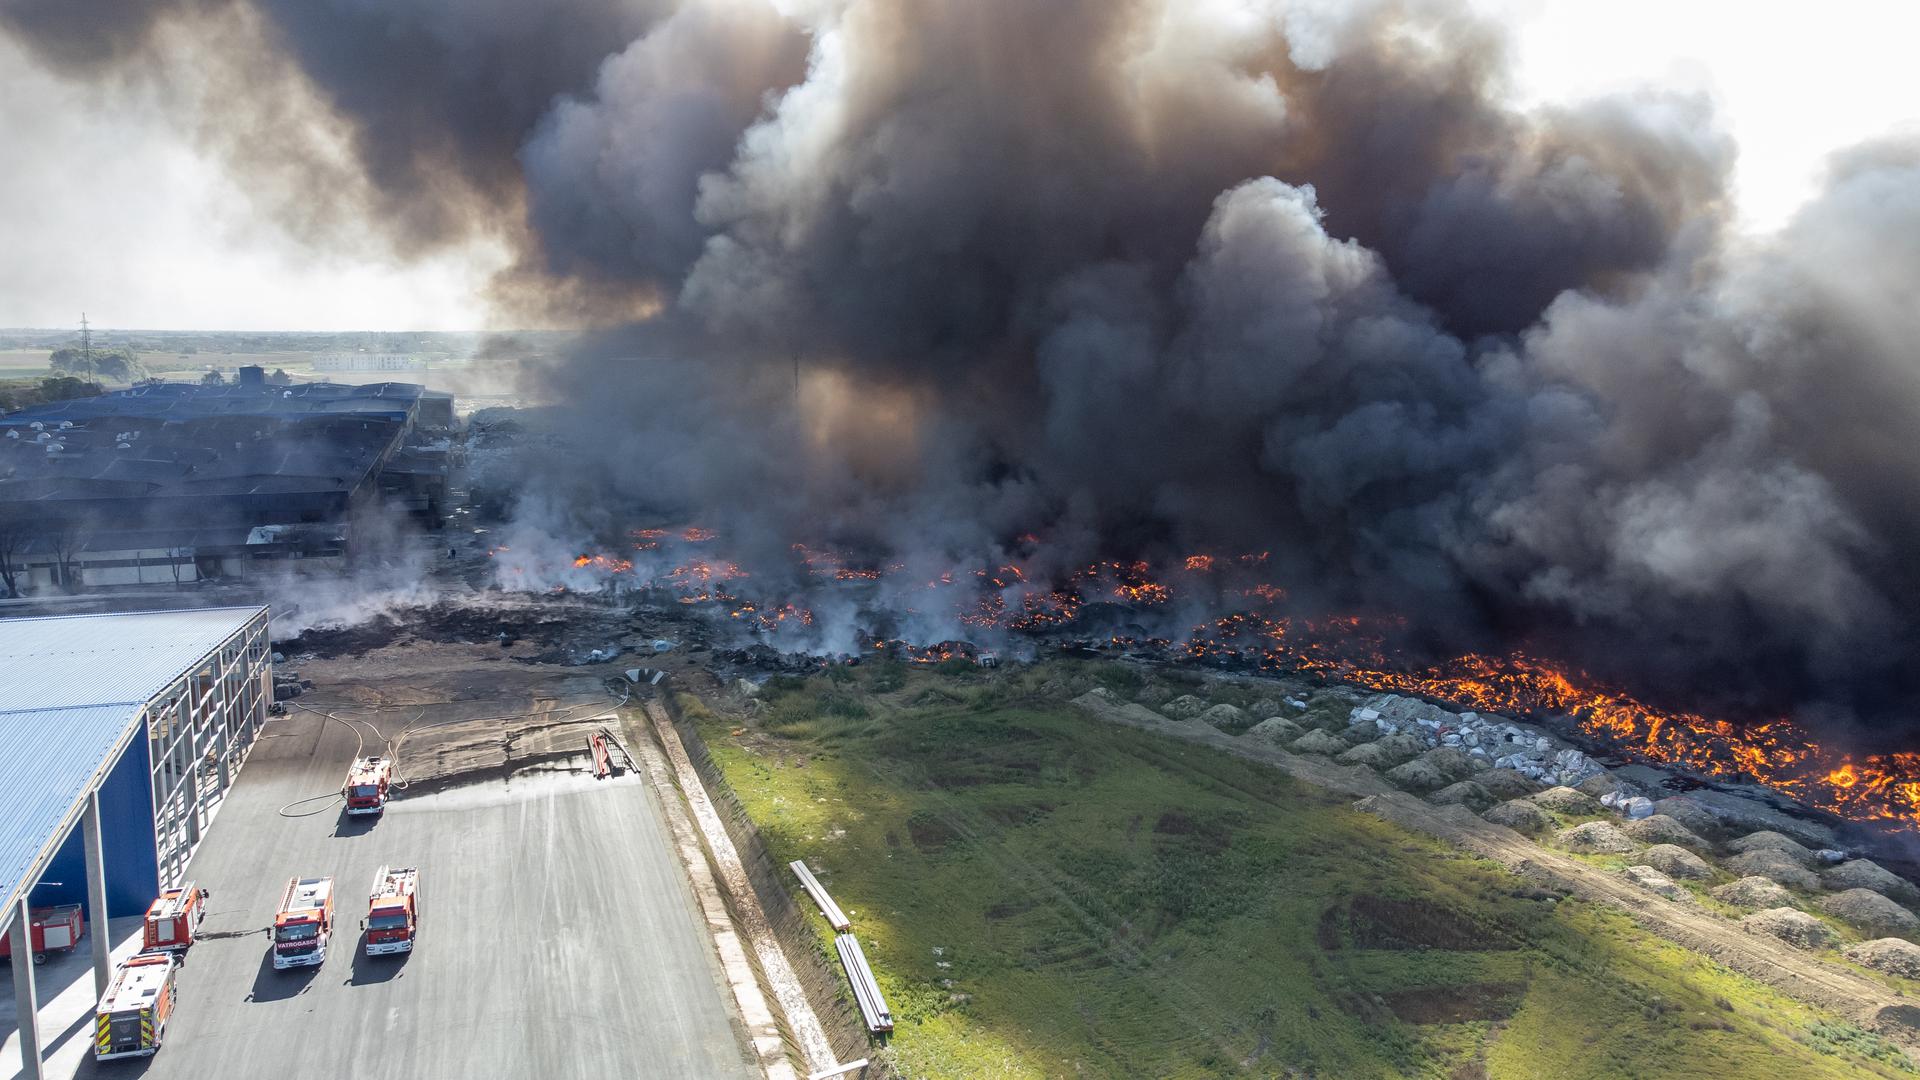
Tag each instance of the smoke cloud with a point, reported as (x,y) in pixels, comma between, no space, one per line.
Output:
(1151,277)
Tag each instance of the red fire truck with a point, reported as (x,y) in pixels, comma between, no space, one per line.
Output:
(304,924)
(131,1019)
(366,786)
(174,918)
(392,910)
(50,930)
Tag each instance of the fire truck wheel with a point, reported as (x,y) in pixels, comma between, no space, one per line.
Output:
(39,958)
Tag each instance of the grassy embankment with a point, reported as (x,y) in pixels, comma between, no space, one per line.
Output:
(1042,895)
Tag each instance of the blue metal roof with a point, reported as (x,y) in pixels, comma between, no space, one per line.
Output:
(71,690)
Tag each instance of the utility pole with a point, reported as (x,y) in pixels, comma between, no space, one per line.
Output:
(86,341)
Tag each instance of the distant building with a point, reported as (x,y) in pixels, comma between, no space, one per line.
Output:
(369,362)
(175,483)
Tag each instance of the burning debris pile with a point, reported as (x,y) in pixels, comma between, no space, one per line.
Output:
(1296,280)
(1133,609)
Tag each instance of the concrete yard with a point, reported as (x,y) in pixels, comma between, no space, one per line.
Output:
(559,935)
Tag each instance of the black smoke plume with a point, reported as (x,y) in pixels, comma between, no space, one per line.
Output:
(1153,277)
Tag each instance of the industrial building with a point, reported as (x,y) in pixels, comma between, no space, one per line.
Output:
(122,733)
(174,483)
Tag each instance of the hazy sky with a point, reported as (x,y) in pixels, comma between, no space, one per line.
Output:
(111,209)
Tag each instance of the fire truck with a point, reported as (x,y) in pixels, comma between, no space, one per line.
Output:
(392,910)
(49,930)
(304,924)
(174,919)
(132,1017)
(366,786)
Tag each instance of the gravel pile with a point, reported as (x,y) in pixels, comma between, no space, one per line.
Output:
(1507,783)
(1565,800)
(1870,911)
(1866,874)
(1185,707)
(1319,742)
(1596,838)
(1466,793)
(1796,928)
(1656,882)
(1520,816)
(1696,818)
(1371,754)
(1891,955)
(1678,862)
(1661,829)
(1753,892)
(1766,840)
(1277,730)
(1227,718)
(1773,865)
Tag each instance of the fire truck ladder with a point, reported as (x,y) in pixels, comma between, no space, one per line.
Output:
(172,907)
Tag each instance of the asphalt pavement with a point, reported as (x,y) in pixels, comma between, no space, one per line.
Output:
(559,936)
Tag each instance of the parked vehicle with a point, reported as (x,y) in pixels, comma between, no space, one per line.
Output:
(131,1019)
(366,786)
(392,911)
(304,924)
(52,929)
(174,919)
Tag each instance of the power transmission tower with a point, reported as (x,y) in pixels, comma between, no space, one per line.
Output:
(86,341)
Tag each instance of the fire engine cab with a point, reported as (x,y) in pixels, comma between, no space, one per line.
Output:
(392,913)
(132,1017)
(304,924)
(174,918)
(366,786)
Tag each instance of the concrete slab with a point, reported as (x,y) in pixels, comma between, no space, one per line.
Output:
(559,935)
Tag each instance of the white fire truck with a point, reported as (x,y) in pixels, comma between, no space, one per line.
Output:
(366,786)
(131,1019)
(304,924)
(392,910)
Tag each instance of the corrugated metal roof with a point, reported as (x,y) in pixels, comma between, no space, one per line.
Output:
(67,661)
(71,689)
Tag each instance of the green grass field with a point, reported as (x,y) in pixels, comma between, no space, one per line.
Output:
(1043,896)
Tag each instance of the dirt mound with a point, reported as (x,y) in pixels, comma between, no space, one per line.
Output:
(1185,707)
(1507,783)
(1228,718)
(1604,784)
(1277,730)
(1454,764)
(1370,754)
(1656,882)
(1520,816)
(1596,838)
(1677,862)
(1319,742)
(1891,955)
(1465,793)
(1417,775)
(1694,817)
(1661,829)
(1796,928)
(1767,840)
(1774,865)
(1565,800)
(1867,874)
(1870,911)
(1753,892)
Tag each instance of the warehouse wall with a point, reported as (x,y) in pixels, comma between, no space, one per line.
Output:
(131,859)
